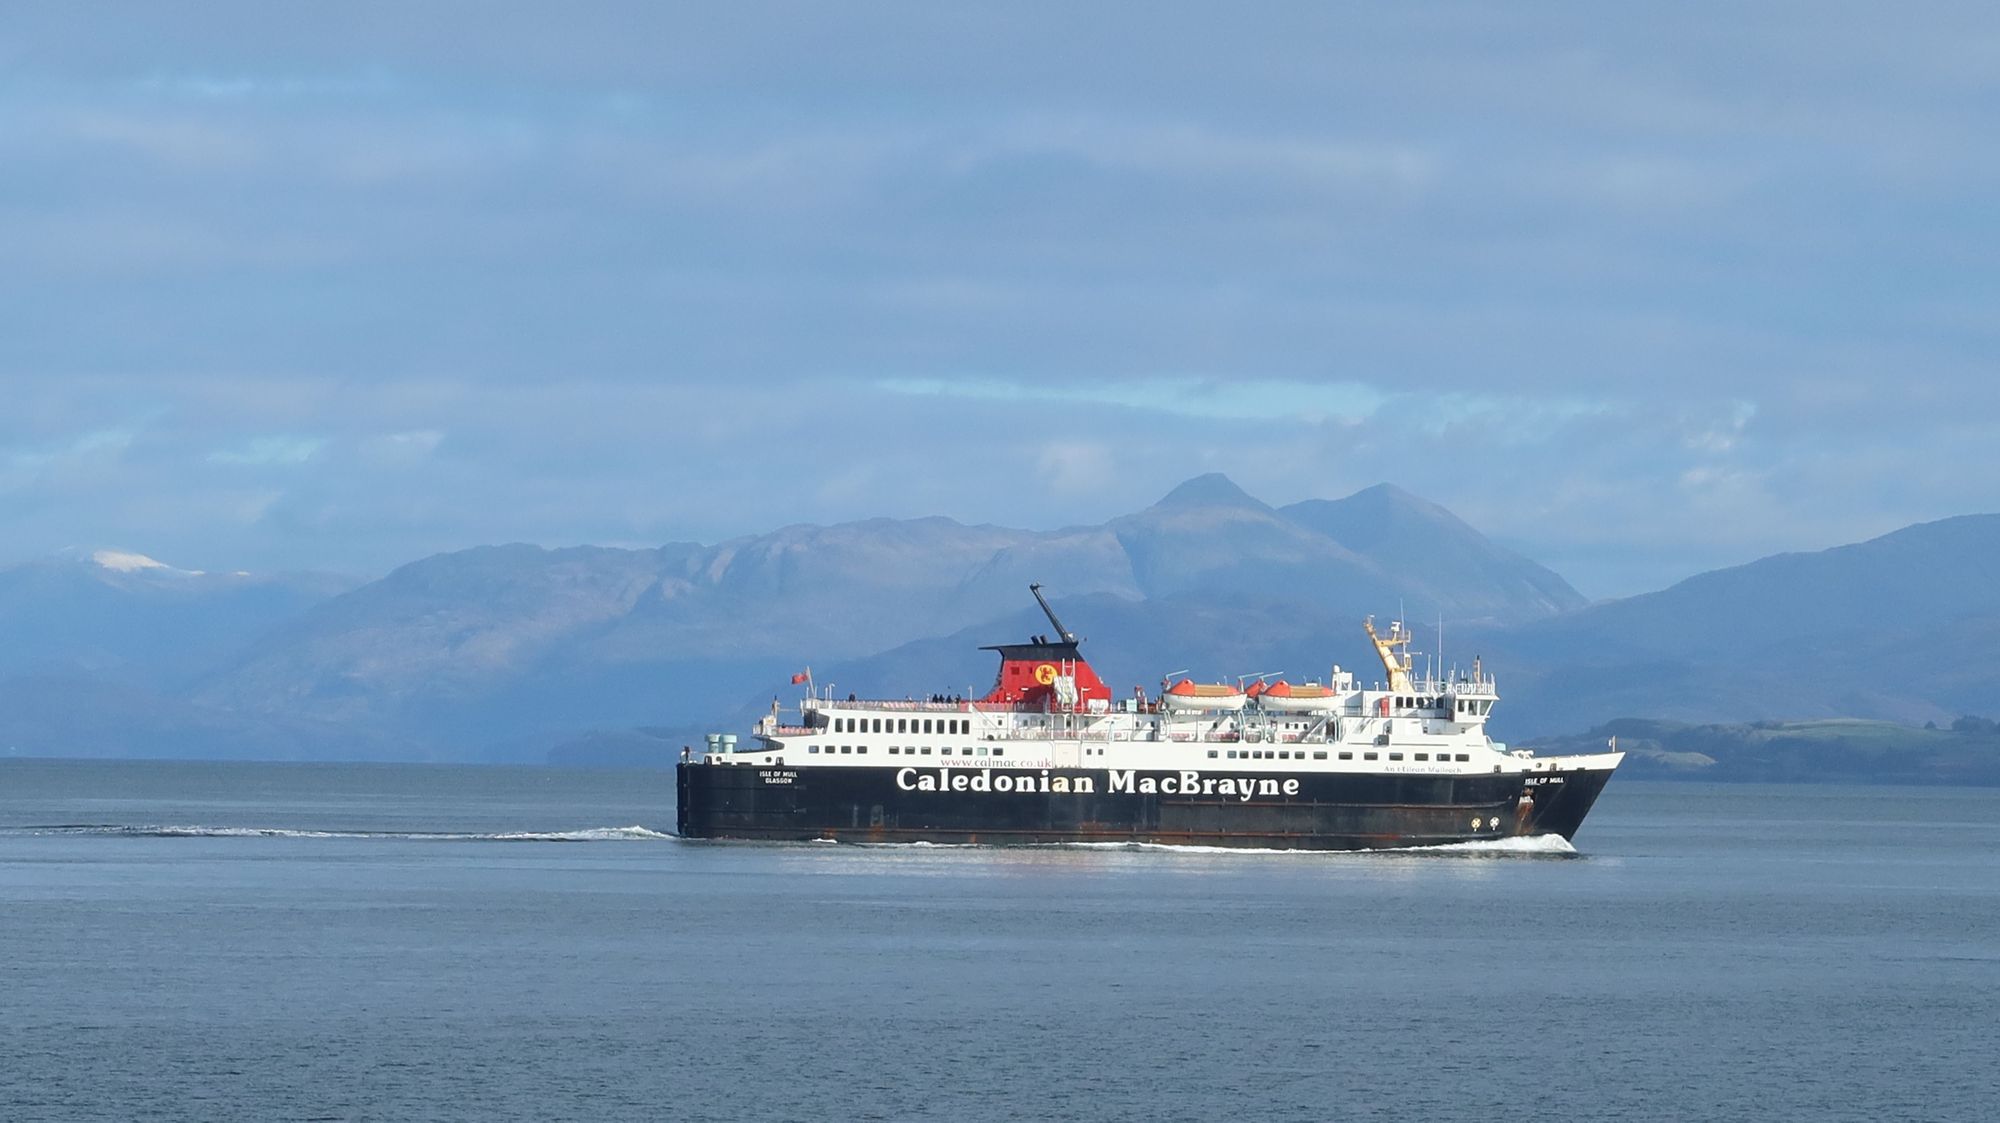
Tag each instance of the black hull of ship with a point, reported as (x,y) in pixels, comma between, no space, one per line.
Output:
(1562,799)
(1323,811)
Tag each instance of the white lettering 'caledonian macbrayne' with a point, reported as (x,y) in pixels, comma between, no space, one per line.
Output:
(1127,782)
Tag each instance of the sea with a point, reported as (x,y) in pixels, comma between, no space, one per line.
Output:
(194,941)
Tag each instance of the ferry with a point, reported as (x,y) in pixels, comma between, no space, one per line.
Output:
(1050,755)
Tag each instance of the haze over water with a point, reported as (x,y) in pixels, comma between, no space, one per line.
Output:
(336,942)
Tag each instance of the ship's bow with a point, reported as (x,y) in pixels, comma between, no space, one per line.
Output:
(1564,789)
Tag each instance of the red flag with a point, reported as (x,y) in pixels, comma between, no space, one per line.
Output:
(798,678)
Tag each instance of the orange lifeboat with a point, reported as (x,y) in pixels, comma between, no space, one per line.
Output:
(1190,695)
(1282,697)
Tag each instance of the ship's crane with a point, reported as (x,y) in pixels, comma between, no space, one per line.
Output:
(1392,649)
(1067,635)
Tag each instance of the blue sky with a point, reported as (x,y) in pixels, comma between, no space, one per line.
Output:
(1639,292)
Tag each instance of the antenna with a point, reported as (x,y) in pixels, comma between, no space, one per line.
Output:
(1067,635)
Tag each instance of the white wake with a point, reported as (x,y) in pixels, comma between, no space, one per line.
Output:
(1537,846)
(591,834)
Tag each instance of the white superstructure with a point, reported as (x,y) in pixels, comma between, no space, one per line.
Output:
(1401,725)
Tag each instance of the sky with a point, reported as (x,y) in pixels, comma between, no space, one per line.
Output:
(1638,291)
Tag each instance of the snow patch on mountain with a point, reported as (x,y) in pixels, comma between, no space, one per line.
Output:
(123,561)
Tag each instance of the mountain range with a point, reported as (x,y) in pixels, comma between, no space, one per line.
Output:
(514,652)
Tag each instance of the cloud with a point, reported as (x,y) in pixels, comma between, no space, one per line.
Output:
(59,464)
(395,450)
(244,86)
(267,451)
(1216,399)
(1722,436)
(362,285)
(1071,468)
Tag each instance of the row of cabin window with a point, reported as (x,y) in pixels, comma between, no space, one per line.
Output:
(913,750)
(1464,706)
(949,726)
(1300,754)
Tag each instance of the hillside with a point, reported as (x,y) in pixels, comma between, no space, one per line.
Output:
(501,643)
(505,652)
(126,617)
(1902,628)
(1787,752)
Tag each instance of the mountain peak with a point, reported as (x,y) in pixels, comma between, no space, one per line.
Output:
(1211,490)
(1387,496)
(106,562)
(124,561)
